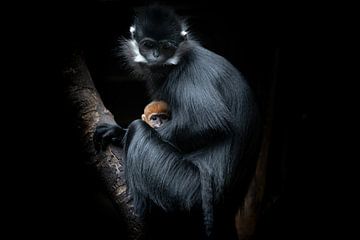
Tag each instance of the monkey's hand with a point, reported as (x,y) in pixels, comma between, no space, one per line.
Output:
(106,134)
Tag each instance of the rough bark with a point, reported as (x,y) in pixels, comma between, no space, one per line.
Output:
(90,111)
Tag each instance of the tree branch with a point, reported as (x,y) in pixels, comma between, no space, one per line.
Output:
(90,111)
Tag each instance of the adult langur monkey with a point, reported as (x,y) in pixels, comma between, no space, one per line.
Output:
(188,177)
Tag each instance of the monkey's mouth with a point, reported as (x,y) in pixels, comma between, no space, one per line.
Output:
(158,65)
(156,62)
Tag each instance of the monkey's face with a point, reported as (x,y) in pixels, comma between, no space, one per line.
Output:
(155,120)
(156,38)
(157,52)
(156,113)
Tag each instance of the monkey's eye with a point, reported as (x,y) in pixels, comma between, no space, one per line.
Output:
(153,117)
(167,45)
(148,44)
(164,117)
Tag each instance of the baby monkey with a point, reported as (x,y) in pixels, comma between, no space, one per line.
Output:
(156,114)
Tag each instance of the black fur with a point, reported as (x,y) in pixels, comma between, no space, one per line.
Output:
(157,22)
(188,177)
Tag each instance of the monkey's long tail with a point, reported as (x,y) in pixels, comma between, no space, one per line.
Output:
(207,195)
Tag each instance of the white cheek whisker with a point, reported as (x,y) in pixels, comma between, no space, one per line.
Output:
(173,60)
(140,59)
(136,53)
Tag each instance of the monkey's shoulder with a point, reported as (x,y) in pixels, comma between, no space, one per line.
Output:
(203,59)
(202,65)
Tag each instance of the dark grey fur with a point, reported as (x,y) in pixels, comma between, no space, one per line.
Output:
(200,162)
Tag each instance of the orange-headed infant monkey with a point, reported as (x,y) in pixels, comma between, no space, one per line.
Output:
(156,114)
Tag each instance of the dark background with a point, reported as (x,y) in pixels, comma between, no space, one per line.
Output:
(277,45)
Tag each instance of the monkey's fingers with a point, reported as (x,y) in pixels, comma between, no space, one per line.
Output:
(106,134)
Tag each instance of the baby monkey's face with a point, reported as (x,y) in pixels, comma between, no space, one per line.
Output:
(155,120)
(156,114)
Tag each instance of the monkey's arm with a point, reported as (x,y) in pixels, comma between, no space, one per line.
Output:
(157,171)
(199,122)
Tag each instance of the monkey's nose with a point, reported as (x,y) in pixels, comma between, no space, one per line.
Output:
(156,53)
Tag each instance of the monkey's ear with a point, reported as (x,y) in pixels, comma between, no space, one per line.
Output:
(143,117)
(184,34)
(132,31)
(184,28)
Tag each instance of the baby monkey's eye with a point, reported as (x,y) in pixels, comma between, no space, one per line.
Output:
(164,116)
(154,117)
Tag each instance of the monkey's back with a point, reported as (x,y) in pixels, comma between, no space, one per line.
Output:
(207,93)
